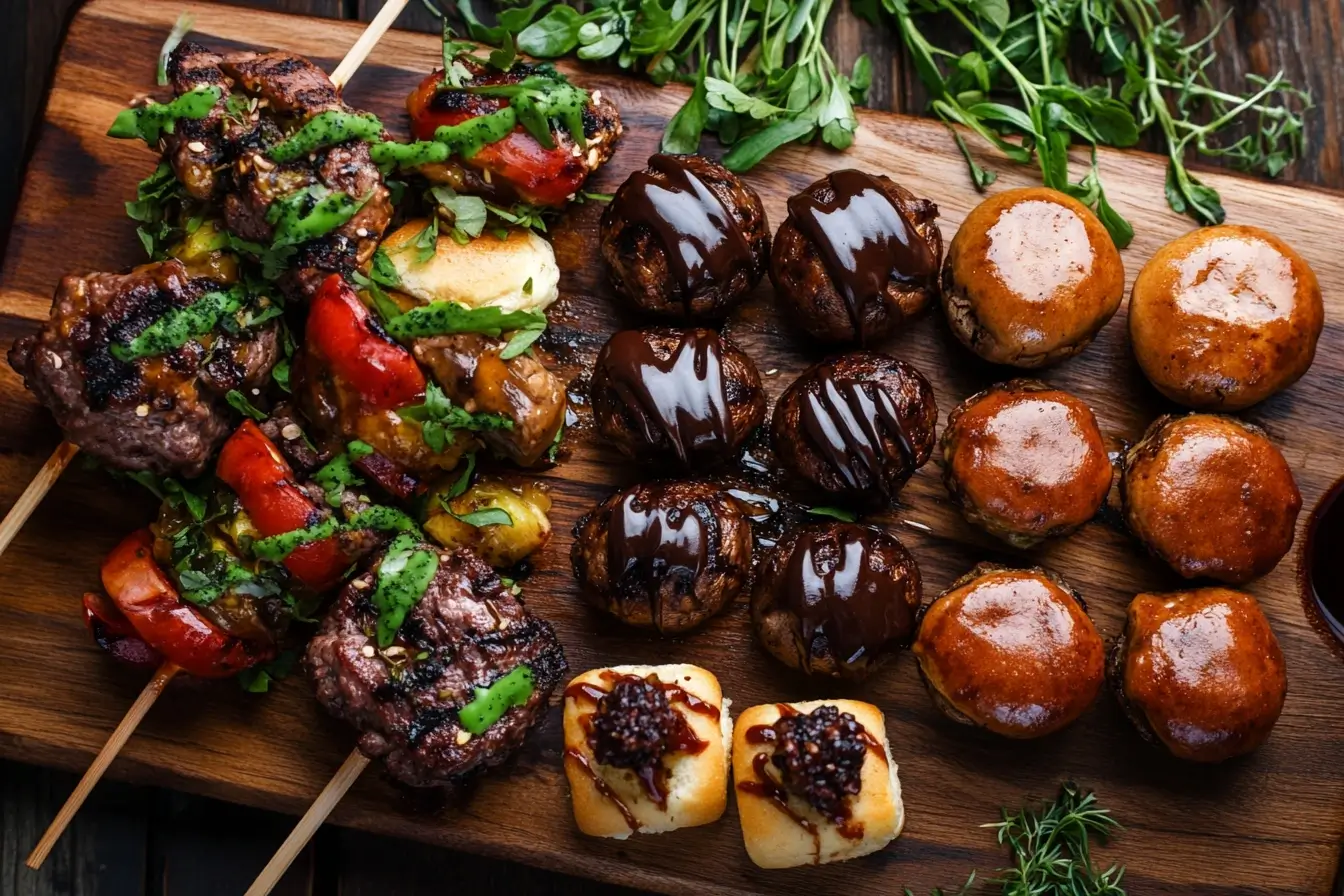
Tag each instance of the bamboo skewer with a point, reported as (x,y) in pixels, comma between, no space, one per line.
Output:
(317,813)
(100,763)
(46,478)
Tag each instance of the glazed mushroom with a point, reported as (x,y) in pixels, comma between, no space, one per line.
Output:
(1200,672)
(1025,462)
(685,239)
(856,258)
(691,395)
(663,555)
(1224,317)
(1031,277)
(1010,650)
(858,426)
(1211,496)
(836,599)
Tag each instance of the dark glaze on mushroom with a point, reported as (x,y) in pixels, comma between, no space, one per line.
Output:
(817,756)
(878,250)
(666,555)
(835,598)
(859,424)
(1025,462)
(1200,672)
(634,724)
(1212,496)
(706,227)
(689,393)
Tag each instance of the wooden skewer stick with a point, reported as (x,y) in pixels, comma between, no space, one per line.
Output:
(317,813)
(101,762)
(35,492)
(42,483)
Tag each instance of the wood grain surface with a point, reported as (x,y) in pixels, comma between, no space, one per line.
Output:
(1267,824)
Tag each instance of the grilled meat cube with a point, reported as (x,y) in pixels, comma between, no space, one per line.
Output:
(164,413)
(516,167)
(471,632)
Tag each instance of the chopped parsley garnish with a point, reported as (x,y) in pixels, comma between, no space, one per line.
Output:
(152,120)
(440,419)
(338,474)
(467,213)
(157,205)
(404,573)
(238,401)
(836,513)
(488,516)
(257,679)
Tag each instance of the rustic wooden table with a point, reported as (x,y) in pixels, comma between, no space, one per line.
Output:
(134,840)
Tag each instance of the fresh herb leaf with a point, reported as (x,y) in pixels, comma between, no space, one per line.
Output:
(440,420)
(836,513)
(337,475)
(489,516)
(427,240)
(461,485)
(1051,847)
(467,213)
(383,272)
(520,342)
(180,30)
(238,401)
(258,679)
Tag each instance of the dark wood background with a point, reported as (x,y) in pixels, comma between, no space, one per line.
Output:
(131,840)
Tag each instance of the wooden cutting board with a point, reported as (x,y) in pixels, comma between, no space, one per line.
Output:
(1270,823)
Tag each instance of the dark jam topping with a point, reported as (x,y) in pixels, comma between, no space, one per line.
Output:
(765,786)
(864,239)
(850,423)
(701,239)
(683,398)
(820,758)
(658,542)
(831,585)
(1323,561)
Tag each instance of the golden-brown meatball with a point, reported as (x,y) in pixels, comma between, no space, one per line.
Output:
(1031,277)
(1224,317)
(1211,496)
(836,599)
(691,394)
(663,555)
(856,258)
(1200,672)
(858,425)
(1025,462)
(685,238)
(1011,650)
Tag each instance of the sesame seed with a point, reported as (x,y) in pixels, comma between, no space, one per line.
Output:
(772,371)
(597,96)
(359,585)
(56,360)
(463,737)
(291,432)
(485,174)
(362,232)
(444,558)
(368,650)
(592,158)
(196,146)
(395,651)
(503,624)
(142,410)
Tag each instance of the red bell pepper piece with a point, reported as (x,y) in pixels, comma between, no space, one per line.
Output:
(341,331)
(113,632)
(257,472)
(149,602)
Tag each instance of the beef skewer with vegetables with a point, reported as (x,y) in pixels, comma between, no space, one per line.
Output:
(137,367)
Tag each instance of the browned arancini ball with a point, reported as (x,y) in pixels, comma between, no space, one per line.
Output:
(857,425)
(1200,672)
(1224,317)
(685,238)
(856,257)
(663,555)
(1031,277)
(1010,650)
(836,598)
(689,395)
(1025,462)
(1211,496)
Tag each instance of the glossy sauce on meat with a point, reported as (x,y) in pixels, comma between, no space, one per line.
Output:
(856,608)
(864,239)
(684,396)
(702,239)
(1323,560)
(847,421)
(671,542)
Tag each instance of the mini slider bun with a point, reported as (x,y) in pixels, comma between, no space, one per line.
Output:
(834,803)
(646,749)
(517,273)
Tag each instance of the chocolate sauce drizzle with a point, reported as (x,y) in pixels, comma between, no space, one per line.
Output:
(856,608)
(672,541)
(683,398)
(865,240)
(702,240)
(847,420)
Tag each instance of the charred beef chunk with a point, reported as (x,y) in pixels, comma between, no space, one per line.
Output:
(820,758)
(631,725)
(466,632)
(163,413)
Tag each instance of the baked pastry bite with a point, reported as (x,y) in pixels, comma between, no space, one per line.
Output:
(1025,462)
(1200,672)
(856,258)
(646,749)
(815,782)
(1010,650)
(1224,317)
(1212,496)
(836,599)
(1031,277)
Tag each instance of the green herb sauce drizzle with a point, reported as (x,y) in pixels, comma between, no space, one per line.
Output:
(490,704)
(403,575)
